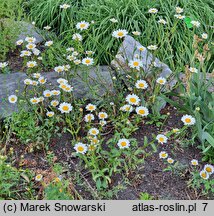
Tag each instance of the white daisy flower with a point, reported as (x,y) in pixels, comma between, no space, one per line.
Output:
(81,148)
(65,6)
(188,120)
(25,53)
(103,123)
(12,99)
(152,47)
(88,61)
(31,64)
(102,115)
(59,69)
(89,117)
(195,23)
(161,138)
(82,25)
(35,83)
(163,154)
(194,162)
(36,52)
(19,42)
(123,143)
(93,131)
(62,81)
(3,64)
(162,21)
(179,10)
(65,107)
(193,70)
(68,88)
(42,80)
(70,49)
(31,46)
(34,100)
(136,63)
(204,174)
(47,27)
(179,16)
(170,160)
(143,111)
(55,92)
(119,33)
(77,37)
(161,80)
(38,178)
(89,52)
(90,107)
(54,103)
(127,108)
(30,39)
(141,48)
(114,20)
(209,169)
(153,10)
(77,61)
(28,82)
(48,43)
(50,114)
(141,84)
(133,99)
(204,35)
(47,93)
(136,33)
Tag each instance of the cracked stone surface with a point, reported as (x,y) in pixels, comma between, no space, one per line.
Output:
(96,79)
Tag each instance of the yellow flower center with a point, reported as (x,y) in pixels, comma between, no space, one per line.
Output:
(87,61)
(102,115)
(187,120)
(65,108)
(161,81)
(161,139)
(120,34)
(142,112)
(80,148)
(163,155)
(208,169)
(141,85)
(123,144)
(12,99)
(94,132)
(133,100)
(136,64)
(203,175)
(48,95)
(82,25)
(34,100)
(91,107)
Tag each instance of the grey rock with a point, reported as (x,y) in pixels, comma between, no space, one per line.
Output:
(128,50)
(93,83)
(28,30)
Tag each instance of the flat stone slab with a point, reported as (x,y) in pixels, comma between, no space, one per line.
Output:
(88,84)
(28,30)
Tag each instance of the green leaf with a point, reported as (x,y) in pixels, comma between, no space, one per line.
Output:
(209,138)
(188,20)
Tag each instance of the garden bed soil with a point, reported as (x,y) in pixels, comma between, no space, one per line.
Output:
(149,179)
